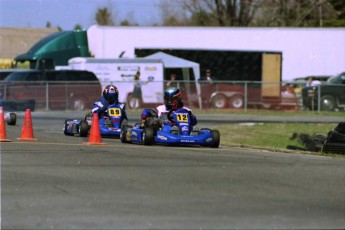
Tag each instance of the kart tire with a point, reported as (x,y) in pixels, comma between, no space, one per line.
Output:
(83,128)
(123,134)
(13,119)
(216,138)
(340,127)
(148,136)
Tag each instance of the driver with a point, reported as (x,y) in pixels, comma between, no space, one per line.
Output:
(172,102)
(109,97)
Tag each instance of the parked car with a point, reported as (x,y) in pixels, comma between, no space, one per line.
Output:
(51,89)
(300,82)
(5,72)
(331,94)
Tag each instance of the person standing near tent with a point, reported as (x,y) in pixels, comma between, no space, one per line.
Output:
(207,87)
(172,82)
(208,77)
(137,92)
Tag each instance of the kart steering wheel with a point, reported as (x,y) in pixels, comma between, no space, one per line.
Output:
(170,117)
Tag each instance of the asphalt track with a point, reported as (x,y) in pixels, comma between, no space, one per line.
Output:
(59,182)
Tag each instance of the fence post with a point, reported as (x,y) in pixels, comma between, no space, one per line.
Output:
(47,96)
(245,96)
(5,92)
(319,99)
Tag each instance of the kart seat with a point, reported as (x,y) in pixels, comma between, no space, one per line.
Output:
(108,123)
(174,130)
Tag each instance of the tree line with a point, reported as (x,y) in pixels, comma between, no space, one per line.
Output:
(238,13)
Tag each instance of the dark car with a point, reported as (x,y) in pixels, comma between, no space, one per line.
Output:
(300,82)
(51,89)
(331,94)
(5,72)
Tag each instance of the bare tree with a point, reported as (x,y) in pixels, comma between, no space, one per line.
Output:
(220,12)
(254,13)
(48,24)
(78,27)
(173,14)
(104,17)
(293,13)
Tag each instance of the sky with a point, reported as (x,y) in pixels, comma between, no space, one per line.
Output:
(68,13)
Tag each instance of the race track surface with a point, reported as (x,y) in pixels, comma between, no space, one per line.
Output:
(58,182)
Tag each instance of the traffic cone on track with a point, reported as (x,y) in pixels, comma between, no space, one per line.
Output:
(27,131)
(3,137)
(95,132)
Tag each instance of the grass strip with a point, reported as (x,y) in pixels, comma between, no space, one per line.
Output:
(269,136)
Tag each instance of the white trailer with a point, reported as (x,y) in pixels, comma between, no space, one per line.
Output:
(306,51)
(121,72)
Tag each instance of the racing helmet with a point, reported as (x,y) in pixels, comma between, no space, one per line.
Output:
(172,98)
(111,94)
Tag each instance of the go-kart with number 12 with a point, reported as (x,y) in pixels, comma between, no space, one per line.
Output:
(180,133)
(110,126)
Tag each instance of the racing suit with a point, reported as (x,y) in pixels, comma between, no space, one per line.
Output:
(162,113)
(100,107)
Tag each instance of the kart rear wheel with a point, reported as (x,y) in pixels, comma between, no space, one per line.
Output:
(123,134)
(83,129)
(216,138)
(13,119)
(148,136)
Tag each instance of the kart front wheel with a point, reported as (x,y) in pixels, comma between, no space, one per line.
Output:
(83,129)
(123,134)
(216,138)
(148,136)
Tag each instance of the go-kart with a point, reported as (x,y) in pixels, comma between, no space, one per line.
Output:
(177,130)
(110,125)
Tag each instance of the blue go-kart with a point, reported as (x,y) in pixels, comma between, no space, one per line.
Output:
(181,133)
(110,125)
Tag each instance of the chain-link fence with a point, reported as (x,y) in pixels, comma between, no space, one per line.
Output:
(20,95)
(240,95)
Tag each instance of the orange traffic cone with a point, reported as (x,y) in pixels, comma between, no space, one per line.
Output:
(3,137)
(27,131)
(95,132)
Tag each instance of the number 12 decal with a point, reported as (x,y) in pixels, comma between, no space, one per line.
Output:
(182,117)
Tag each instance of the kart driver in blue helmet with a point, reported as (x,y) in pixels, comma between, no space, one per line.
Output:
(110,96)
(172,102)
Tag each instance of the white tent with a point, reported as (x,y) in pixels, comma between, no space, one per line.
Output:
(170,61)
